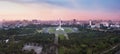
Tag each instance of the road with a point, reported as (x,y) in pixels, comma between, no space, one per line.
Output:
(56,42)
(114,47)
(57,33)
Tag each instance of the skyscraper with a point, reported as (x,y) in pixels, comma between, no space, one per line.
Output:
(90,22)
(0,24)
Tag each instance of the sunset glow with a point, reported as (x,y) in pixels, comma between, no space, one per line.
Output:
(54,9)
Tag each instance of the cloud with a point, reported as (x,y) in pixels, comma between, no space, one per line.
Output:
(88,5)
(59,3)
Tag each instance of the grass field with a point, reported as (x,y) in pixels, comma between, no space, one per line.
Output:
(61,37)
(66,29)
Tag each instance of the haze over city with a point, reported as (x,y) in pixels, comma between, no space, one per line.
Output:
(54,9)
(59,26)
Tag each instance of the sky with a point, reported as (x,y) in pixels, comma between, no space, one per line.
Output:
(55,9)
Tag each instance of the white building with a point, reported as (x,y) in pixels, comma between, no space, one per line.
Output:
(90,23)
(115,26)
(95,26)
(106,24)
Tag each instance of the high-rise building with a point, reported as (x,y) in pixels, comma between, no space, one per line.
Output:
(1,25)
(90,22)
(74,21)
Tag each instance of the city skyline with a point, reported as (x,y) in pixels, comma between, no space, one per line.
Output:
(54,9)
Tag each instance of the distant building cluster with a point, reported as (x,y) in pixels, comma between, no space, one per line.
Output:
(93,24)
(104,24)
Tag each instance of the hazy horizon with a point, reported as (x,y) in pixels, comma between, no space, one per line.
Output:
(55,9)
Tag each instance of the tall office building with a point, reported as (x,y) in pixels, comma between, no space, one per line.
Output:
(1,24)
(90,22)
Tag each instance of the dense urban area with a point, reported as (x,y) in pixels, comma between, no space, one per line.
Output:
(60,37)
